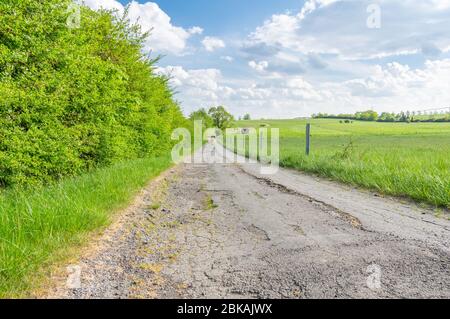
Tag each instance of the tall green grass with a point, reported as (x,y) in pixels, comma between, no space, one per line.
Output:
(407,160)
(36,225)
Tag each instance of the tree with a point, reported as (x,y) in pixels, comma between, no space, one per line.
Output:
(221,117)
(202,115)
(403,117)
(367,115)
(247,117)
(386,117)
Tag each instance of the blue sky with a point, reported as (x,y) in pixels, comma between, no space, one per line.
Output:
(282,59)
(223,17)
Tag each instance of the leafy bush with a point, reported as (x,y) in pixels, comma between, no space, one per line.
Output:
(73,99)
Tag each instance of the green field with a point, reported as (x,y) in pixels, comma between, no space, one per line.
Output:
(406,160)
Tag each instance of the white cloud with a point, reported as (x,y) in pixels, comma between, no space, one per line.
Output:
(195,30)
(206,87)
(104,4)
(320,59)
(200,85)
(259,66)
(227,58)
(279,30)
(429,5)
(400,82)
(212,43)
(164,36)
(339,27)
(312,5)
(394,87)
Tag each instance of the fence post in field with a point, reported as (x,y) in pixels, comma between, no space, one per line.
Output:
(261,145)
(308,138)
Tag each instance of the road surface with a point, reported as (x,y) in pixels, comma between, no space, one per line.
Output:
(225,231)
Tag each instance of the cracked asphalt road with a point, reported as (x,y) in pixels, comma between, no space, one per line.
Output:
(225,231)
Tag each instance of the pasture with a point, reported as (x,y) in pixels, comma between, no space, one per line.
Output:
(409,160)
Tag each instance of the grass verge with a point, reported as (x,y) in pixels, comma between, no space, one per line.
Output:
(37,226)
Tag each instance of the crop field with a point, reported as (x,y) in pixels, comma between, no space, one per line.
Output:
(406,160)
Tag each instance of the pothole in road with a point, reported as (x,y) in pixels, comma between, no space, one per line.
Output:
(352,220)
(258,232)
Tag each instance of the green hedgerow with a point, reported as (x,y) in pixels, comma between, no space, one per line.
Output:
(73,99)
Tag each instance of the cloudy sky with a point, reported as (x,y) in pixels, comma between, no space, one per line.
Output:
(282,59)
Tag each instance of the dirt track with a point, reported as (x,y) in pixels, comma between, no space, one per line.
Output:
(224,231)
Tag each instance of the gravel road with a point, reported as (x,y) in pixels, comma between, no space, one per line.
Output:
(225,231)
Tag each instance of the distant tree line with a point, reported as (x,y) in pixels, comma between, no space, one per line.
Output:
(370,115)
